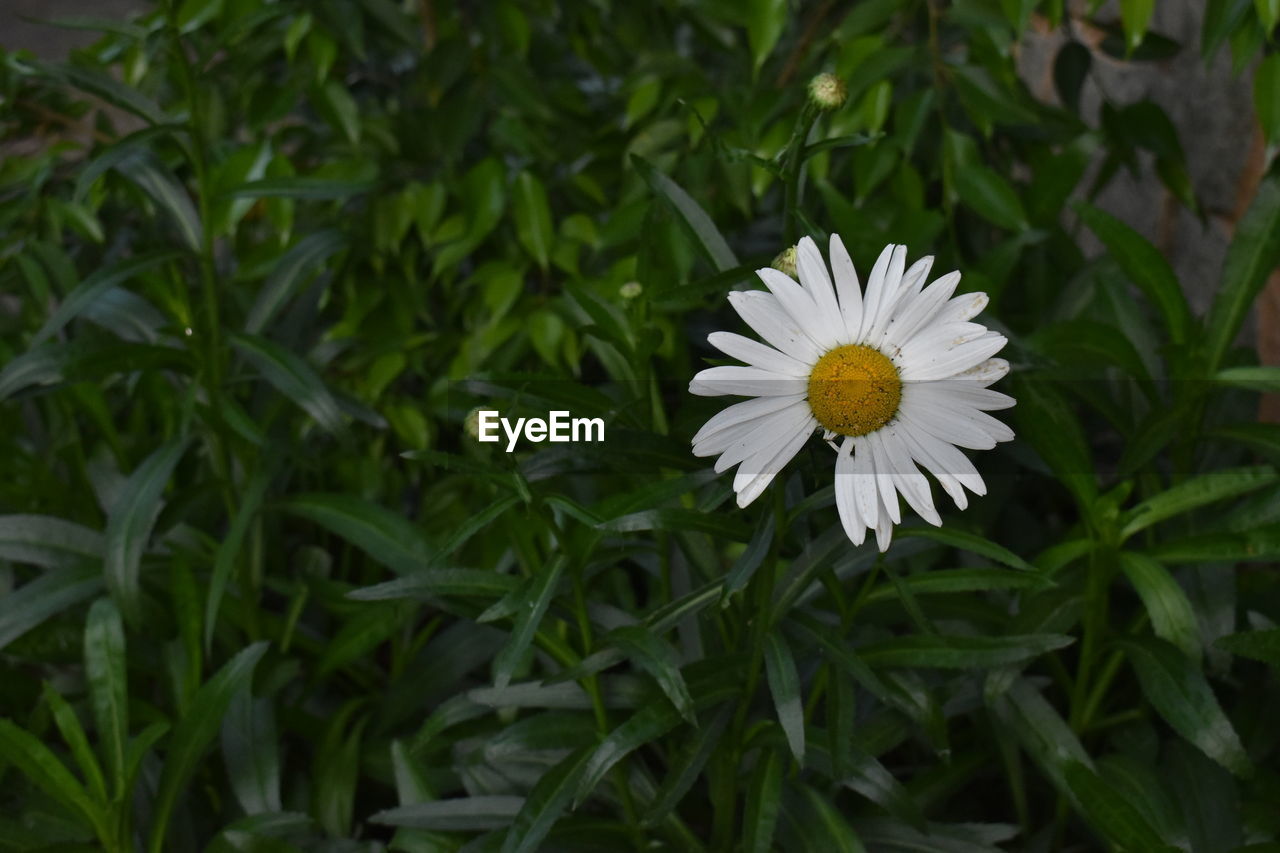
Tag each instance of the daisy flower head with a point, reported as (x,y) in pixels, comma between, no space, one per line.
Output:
(895,376)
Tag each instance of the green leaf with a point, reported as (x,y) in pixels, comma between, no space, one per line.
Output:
(54,591)
(970,542)
(1251,258)
(991,197)
(103,86)
(43,540)
(193,734)
(1196,492)
(1117,819)
(750,559)
(649,723)
(960,652)
(1268,14)
(1135,15)
(547,800)
(1261,543)
(440,583)
(704,232)
(1258,645)
(35,761)
(170,196)
(766,19)
(1047,423)
(1172,616)
(1070,70)
(339,109)
(1253,377)
(1266,96)
(945,582)
(225,560)
(251,752)
(658,658)
(462,814)
(64,717)
(291,375)
(817,825)
(386,537)
(105,670)
(529,617)
(1182,696)
(764,795)
(311,189)
(194,14)
(131,521)
(687,765)
(534,227)
(784,686)
(1145,267)
(291,271)
(678,518)
(94,288)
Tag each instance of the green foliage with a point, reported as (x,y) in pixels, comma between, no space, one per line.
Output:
(263,591)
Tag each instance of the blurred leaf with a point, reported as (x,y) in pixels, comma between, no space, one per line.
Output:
(658,658)
(529,618)
(1252,256)
(546,802)
(1070,70)
(229,551)
(1254,378)
(290,273)
(193,14)
(971,542)
(1196,492)
(311,189)
(991,197)
(960,652)
(64,717)
(193,734)
(250,750)
(106,672)
(130,523)
(1171,613)
(170,196)
(292,376)
(700,226)
(35,761)
(34,602)
(533,218)
(1268,14)
(103,86)
(483,812)
(93,288)
(760,814)
(784,686)
(1117,819)
(339,108)
(43,540)
(388,538)
(1135,15)
(1184,699)
(1145,267)
(766,19)
(1261,543)
(1258,645)
(1266,96)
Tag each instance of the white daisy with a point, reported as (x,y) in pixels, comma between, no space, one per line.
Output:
(897,375)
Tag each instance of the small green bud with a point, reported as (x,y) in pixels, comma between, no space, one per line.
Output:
(827,92)
(630,290)
(785,262)
(471,423)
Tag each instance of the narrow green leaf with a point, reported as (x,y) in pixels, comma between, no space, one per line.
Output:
(989,195)
(131,521)
(193,734)
(764,795)
(684,769)
(64,717)
(784,686)
(52,592)
(750,559)
(104,86)
(94,287)
(339,108)
(225,560)
(106,672)
(169,195)
(961,652)
(970,542)
(311,189)
(1135,16)
(251,752)
(534,227)
(1197,492)
(704,232)
(43,540)
(1048,424)
(1182,696)
(1117,819)
(440,583)
(291,375)
(1266,96)
(1171,613)
(1254,378)
(462,814)
(649,723)
(947,581)
(658,658)
(290,273)
(1145,267)
(546,802)
(35,761)
(1261,543)
(528,619)
(1251,258)
(1258,645)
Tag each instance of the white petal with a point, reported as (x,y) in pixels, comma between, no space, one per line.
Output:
(915,313)
(814,278)
(738,413)
(884,533)
(797,302)
(772,432)
(935,339)
(916,275)
(753,488)
(758,355)
(875,288)
(884,477)
(891,296)
(953,470)
(764,314)
(848,289)
(991,370)
(956,360)
(845,502)
(744,382)
(941,404)
(966,306)
(907,478)
(921,413)
(864,483)
(963,392)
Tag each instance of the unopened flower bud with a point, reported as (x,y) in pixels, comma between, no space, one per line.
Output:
(471,423)
(785,262)
(630,290)
(827,92)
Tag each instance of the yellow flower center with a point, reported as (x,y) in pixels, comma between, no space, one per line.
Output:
(854,390)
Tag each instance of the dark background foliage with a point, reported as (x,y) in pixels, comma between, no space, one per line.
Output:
(259,260)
